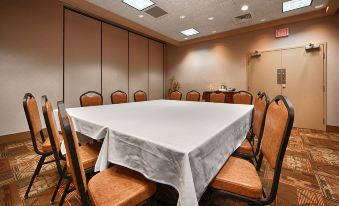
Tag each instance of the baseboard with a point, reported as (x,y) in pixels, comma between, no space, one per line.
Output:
(14,137)
(330,128)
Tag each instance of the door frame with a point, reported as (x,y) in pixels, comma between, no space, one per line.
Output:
(248,58)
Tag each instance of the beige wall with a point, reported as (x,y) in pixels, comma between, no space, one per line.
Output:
(224,60)
(30,57)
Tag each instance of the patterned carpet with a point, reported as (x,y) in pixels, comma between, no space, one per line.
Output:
(310,175)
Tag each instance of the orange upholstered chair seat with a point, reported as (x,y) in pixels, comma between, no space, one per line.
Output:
(193,96)
(118,97)
(245,147)
(176,95)
(217,97)
(140,96)
(91,98)
(88,155)
(242,97)
(240,177)
(119,186)
(46,145)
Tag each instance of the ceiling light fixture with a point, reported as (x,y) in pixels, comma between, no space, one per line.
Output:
(319,6)
(189,32)
(182,17)
(214,31)
(141,16)
(327,8)
(295,4)
(262,19)
(139,4)
(185,38)
(210,18)
(244,8)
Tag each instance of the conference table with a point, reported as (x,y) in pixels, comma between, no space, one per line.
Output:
(179,143)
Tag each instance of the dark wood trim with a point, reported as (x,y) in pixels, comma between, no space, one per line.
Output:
(63,55)
(331,128)
(20,136)
(101,57)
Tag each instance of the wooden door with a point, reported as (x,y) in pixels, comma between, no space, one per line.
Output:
(262,72)
(305,85)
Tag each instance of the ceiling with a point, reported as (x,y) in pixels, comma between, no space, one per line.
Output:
(197,12)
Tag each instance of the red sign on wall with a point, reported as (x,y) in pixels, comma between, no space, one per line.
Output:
(281,33)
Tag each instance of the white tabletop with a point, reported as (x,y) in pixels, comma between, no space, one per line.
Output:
(179,143)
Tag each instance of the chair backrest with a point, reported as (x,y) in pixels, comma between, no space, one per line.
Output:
(277,130)
(261,103)
(242,97)
(72,153)
(175,95)
(91,98)
(140,96)
(33,119)
(217,97)
(118,97)
(47,110)
(193,96)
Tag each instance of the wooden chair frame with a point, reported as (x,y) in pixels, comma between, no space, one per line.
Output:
(90,92)
(117,92)
(35,145)
(278,165)
(193,91)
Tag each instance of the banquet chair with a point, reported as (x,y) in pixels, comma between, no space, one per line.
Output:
(238,178)
(217,97)
(193,96)
(114,186)
(175,95)
(91,98)
(140,96)
(89,152)
(246,149)
(41,142)
(242,97)
(118,97)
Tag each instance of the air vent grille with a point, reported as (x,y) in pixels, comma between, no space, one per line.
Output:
(156,12)
(243,18)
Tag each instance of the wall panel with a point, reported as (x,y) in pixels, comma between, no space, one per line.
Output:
(156,70)
(114,61)
(30,57)
(82,56)
(138,64)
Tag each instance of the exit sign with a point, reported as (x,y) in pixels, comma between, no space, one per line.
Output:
(281,33)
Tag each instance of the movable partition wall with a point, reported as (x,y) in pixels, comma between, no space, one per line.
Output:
(101,57)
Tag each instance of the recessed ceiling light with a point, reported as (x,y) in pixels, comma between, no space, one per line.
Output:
(139,4)
(210,18)
(327,8)
(244,8)
(185,38)
(140,16)
(295,4)
(319,6)
(182,17)
(214,31)
(189,32)
(262,19)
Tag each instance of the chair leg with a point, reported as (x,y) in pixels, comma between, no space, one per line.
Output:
(58,185)
(62,200)
(36,172)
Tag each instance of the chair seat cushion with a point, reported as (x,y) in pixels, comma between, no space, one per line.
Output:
(89,155)
(46,146)
(240,177)
(119,186)
(245,147)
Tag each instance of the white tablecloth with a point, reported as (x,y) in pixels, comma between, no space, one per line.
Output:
(179,143)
